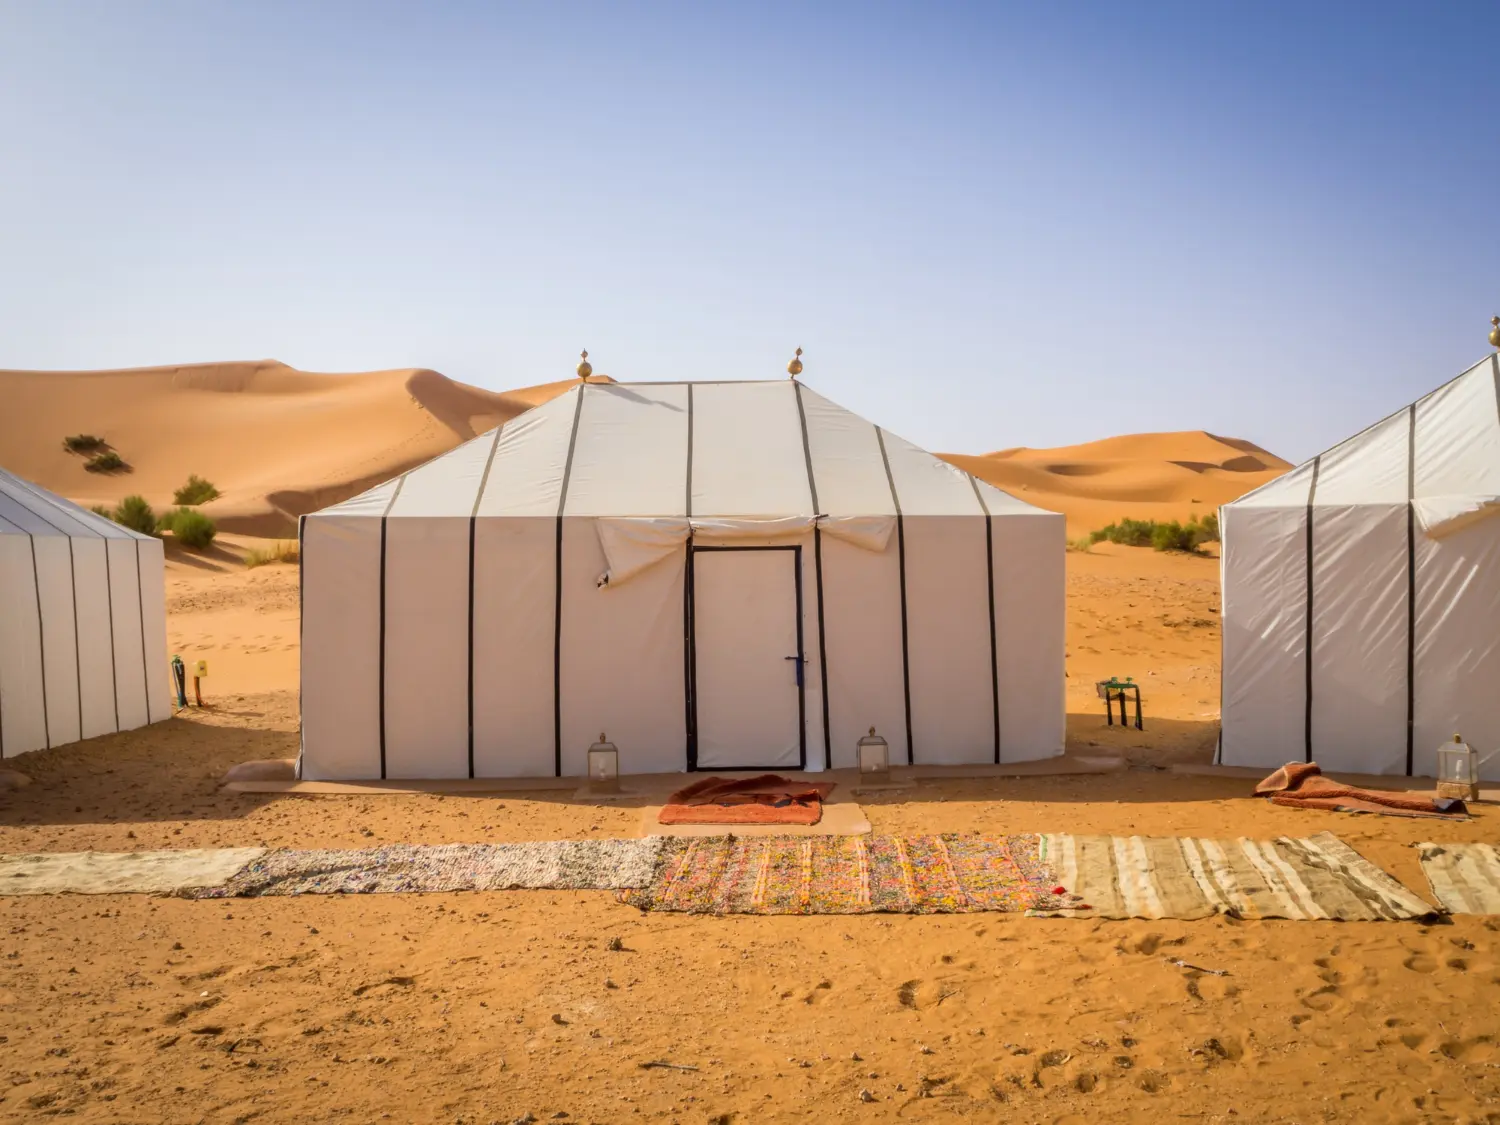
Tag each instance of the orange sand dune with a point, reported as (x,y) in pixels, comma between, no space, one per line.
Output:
(1141,476)
(276,441)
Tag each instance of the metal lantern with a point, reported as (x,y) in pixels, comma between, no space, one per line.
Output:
(1457,771)
(874,758)
(604,767)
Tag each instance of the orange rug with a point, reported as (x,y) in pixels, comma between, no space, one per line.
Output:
(767,799)
(1301,785)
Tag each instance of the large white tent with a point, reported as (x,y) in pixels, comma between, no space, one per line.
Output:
(719,575)
(1362,594)
(83,624)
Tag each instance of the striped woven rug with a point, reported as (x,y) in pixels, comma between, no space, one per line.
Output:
(1319,877)
(1465,878)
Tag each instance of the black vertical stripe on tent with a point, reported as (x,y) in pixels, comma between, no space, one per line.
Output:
(382,645)
(301,635)
(77,644)
(901,557)
(989,558)
(41,640)
(140,606)
(384,516)
(109,590)
(562,503)
(484,479)
(690,755)
(1312,492)
(812,488)
(1411,585)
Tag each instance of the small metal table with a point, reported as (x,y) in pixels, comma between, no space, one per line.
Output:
(1113,689)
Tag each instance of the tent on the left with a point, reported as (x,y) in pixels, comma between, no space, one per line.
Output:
(83,638)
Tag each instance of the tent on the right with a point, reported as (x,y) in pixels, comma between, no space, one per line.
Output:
(1361,595)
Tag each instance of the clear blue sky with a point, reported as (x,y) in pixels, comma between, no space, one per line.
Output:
(987,225)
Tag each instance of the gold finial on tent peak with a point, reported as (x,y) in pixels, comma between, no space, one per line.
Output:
(1495,331)
(585,368)
(795,367)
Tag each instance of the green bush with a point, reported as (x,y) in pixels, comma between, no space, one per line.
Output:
(1172,537)
(196,491)
(83,443)
(1162,535)
(107,462)
(101,510)
(133,512)
(189,527)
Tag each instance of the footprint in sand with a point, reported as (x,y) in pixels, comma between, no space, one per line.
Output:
(1420,963)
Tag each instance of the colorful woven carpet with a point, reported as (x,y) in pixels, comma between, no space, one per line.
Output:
(1320,877)
(848,875)
(406,868)
(1465,878)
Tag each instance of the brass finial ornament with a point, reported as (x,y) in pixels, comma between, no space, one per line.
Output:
(585,368)
(795,367)
(1495,331)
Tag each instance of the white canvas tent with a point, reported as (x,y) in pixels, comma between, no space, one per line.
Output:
(1362,594)
(717,575)
(83,625)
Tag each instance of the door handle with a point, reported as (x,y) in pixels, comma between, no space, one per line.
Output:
(800,661)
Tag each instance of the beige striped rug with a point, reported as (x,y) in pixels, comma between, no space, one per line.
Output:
(1465,878)
(1320,877)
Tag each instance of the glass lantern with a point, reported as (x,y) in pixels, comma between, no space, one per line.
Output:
(1457,771)
(604,767)
(874,759)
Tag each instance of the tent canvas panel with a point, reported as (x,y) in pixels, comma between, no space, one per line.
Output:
(23,717)
(1359,635)
(631,454)
(526,472)
(862,616)
(96,666)
(341,645)
(749,424)
(1030,599)
(622,659)
(1457,653)
(426,648)
(152,557)
(1458,436)
(847,465)
(1264,614)
(126,613)
(948,639)
(514,615)
(54,576)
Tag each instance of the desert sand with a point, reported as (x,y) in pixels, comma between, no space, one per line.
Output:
(489,1008)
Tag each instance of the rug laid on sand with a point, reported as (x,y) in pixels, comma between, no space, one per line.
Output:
(848,875)
(1301,785)
(111,873)
(1465,878)
(767,799)
(405,868)
(1319,877)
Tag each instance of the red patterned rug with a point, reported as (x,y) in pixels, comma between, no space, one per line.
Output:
(767,799)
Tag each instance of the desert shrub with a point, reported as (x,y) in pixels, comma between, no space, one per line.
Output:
(1173,536)
(282,551)
(107,462)
(196,491)
(83,443)
(133,512)
(101,510)
(1207,529)
(1128,533)
(189,527)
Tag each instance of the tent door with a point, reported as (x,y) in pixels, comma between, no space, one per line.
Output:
(747,667)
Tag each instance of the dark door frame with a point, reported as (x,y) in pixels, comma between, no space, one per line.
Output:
(691,685)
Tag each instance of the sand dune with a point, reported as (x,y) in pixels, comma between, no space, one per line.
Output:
(1142,476)
(276,441)
(279,442)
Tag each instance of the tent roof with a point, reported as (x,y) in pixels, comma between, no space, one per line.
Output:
(751,450)
(29,509)
(1442,451)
